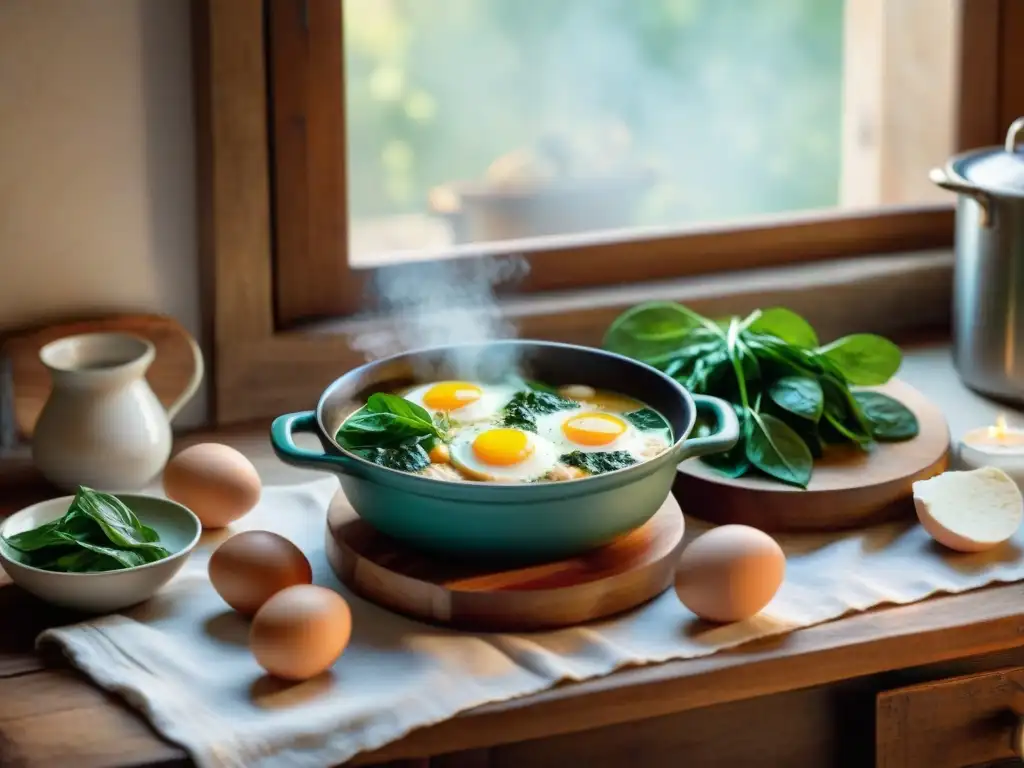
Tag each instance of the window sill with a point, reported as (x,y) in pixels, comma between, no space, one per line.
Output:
(902,296)
(905,292)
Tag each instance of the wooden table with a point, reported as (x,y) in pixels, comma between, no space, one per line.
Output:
(807,699)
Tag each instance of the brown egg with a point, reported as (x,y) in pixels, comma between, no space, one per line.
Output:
(300,632)
(252,566)
(730,573)
(215,481)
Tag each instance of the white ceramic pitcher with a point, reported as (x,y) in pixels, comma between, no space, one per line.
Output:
(102,425)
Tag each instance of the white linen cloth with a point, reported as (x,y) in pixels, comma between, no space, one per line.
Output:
(181,658)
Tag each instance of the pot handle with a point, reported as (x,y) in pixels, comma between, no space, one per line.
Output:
(940,178)
(282,433)
(726,437)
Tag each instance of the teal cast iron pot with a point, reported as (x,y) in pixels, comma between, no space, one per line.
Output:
(516,522)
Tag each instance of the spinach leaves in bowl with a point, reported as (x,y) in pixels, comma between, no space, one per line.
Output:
(97,533)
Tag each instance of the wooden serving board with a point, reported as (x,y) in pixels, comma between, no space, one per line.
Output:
(849,487)
(609,580)
(169,376)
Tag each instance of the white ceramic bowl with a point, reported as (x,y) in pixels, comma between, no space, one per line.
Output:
(106,591)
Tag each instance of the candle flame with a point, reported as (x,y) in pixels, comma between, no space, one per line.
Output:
(1000,429)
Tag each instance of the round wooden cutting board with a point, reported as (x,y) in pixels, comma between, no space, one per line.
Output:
(849,487)
(615,578)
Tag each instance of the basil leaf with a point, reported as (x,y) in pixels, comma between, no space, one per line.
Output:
(127,558)
(777,450)
(385,422)
(785,324)
(38,538)
(119,524)
(382,402)
(647,420)
(97,533)
(85,561)
(799,395)
(598,463)
(888,419)
(863,359)
(369,430)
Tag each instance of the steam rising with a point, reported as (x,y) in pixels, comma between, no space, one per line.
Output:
(443,303)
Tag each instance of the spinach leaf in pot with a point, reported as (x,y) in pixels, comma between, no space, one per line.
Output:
(405,458)
(888,419)
(646,420)
(386,421)
(598,463)
(524,407)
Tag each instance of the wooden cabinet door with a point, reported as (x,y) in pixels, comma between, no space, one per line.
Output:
(958,722)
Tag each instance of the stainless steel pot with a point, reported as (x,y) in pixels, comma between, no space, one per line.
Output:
(988,292)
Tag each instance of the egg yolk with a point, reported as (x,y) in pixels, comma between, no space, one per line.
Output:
(451,395)
(502,447)
(593,428)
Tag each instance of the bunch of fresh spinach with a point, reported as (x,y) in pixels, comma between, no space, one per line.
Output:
(97,533)
(393,432)
(792,396)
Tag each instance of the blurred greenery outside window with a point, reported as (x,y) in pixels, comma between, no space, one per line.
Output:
(730,108)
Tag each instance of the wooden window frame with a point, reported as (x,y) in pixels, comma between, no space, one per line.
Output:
(272,183)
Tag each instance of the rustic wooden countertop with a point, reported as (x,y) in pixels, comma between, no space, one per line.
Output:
(50,715)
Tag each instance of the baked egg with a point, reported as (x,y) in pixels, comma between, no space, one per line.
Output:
(462,401)
(502,454)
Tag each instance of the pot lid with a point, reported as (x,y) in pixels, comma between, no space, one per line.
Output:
(997,169)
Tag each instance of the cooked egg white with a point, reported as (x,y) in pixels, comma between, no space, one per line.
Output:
(590,432)
(502,454)
(462,401)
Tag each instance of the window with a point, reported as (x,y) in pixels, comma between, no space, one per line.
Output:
(591,135)
(475,121)
(620,142)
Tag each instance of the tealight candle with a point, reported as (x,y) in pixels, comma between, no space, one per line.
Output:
(999,446)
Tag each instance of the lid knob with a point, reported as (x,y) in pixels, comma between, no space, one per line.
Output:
(1016,128)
